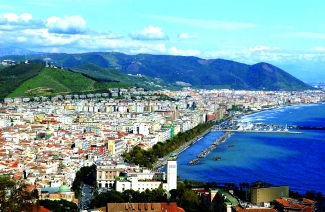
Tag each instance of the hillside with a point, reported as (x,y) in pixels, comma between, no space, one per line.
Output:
(54,81)
(178,70)
(13,76)
(118,79)
(37,80)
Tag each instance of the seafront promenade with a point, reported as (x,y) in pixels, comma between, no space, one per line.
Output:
(163,161)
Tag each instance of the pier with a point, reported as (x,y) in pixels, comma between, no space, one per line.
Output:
(261,131)
(256,128)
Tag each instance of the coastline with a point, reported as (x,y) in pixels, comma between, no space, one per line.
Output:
(162,162)
(265,154)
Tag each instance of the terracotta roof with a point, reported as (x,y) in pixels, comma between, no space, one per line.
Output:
(142,207)
(40,209)
(285,203)
(240,209)
(305,200)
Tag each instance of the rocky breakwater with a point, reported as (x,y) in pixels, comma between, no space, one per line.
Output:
(213,145)
(193,162)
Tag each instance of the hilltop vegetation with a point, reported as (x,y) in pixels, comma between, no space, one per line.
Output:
(117,78)
(54,81)
(11,77)
(37,80)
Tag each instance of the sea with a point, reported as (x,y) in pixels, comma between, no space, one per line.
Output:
(296,160)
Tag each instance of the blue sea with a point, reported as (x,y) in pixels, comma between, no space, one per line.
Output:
(296,160)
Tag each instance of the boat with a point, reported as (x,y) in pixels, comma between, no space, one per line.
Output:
(231,145)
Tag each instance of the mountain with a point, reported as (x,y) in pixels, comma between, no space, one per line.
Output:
(179,70)
(15,51)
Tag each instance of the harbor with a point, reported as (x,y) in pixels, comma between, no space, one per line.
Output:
(253,156)
(238,126)
(229,127)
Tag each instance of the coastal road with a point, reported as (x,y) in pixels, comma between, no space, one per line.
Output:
(163,161)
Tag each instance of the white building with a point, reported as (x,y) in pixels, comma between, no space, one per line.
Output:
(172,174)
(146,179)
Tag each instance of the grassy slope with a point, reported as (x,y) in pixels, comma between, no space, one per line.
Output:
(53,81)
(13,76)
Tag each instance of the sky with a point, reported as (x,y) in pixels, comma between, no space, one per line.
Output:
(248,31)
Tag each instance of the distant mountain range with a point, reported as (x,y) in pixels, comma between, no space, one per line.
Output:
(174,71)
(16,51)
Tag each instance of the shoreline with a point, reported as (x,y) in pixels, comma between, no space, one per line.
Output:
(307,108)
(162,162)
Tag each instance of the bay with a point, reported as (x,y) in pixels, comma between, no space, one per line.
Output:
(296,160)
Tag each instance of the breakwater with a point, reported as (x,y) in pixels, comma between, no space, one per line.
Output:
(213,145)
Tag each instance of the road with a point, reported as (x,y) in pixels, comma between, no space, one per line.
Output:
(163,161)
(86,196)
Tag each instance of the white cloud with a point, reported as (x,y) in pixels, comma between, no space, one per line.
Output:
(185,35)
(205,24)
(149,33)
(319,48)
(189,52)
(66,25)
(259,48)
(11,17)
(26,16)
(272,56)
(12,21)
(149,49)
(21,39)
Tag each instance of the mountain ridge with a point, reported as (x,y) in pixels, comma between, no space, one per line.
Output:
(189,70)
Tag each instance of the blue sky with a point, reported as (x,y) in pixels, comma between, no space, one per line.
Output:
(248,31)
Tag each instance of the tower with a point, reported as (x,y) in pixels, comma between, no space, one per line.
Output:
(172,174)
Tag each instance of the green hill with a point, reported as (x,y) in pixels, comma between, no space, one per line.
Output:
(36,80)
(13,76)
(54,81)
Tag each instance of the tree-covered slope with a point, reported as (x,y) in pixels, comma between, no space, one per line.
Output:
(12,77)
(54,81)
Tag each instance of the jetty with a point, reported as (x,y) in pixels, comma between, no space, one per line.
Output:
(213,145)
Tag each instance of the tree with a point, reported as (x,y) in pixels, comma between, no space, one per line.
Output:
(190,201)
(16,196)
